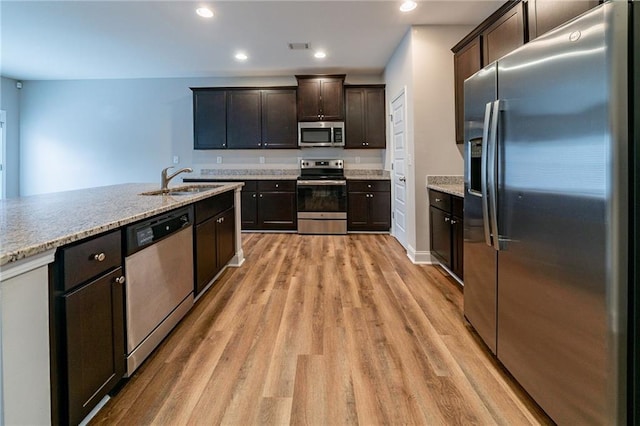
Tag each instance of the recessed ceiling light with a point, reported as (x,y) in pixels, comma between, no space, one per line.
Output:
(320,54)
(204,12)
(408,6)
(241,56)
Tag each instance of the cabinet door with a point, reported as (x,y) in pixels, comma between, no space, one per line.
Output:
(466,62)
(209,119)
(504,35)
(277,210)
(458,244)
(380,211)
(244,119)
(375,122)
(249,206)
(226,243)
(279,120)
(206,254)
(94,326)
(545,15)
(354,121)
(332,99)
(357,211)
(308,99)
(441,235)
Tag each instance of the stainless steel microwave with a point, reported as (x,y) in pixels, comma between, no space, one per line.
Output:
(320,133)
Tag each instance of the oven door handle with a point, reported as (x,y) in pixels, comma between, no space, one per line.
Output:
(322,182)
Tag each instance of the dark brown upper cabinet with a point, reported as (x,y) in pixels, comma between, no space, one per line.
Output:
(320,98)
(545,15)
(504,35)
(466,62)
(365,119)
(244,118)
(209,119)
(279,123)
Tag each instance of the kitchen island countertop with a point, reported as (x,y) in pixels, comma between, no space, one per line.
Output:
(34,224)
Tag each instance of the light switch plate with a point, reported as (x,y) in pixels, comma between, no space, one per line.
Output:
(176,159)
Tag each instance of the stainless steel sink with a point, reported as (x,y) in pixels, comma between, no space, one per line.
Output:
(183,190)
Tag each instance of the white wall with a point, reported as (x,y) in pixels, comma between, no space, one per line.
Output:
(423,62)
(10,102)
(84,133)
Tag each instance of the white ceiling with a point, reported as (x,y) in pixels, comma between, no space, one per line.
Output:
(42,40)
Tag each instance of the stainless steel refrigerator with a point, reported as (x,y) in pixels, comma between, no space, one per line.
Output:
(546,214)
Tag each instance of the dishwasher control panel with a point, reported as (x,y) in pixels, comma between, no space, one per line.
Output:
(151,230)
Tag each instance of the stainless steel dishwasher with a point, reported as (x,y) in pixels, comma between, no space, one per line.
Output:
(159,284)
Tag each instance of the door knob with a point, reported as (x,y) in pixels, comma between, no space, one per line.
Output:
(402,179)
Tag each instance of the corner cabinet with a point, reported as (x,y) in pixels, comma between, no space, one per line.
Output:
(244,118)
(365,121)
(369,205)
(446,230)
(320,98)
(87,325)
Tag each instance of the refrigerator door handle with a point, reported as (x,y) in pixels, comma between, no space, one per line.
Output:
(484,172)
(492,173)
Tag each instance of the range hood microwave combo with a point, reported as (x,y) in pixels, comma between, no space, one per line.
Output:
(321,133)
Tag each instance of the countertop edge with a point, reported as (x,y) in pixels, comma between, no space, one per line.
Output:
(456,190)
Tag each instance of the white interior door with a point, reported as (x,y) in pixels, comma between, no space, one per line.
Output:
(399,124)
(3,153)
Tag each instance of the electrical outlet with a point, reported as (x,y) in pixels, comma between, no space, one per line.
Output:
(176,159)
(219,159)
(261,160)
(358,160)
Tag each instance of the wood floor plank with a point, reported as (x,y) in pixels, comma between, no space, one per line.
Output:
(324,330)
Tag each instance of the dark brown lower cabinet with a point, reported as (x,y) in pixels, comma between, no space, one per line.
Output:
(214,237)
(368,205)
(446,230)
(95,343)
(87,326)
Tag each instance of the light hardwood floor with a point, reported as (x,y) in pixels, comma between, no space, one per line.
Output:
(324,330)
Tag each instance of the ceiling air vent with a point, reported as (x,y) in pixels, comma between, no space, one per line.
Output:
(299,46)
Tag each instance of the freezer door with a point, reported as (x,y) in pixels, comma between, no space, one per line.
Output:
(479,257)
(557,273)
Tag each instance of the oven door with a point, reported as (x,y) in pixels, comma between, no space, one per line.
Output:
(322,196)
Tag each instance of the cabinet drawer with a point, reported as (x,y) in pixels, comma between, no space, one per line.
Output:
(457,206)
(440,200)
(213,206)
(369,185)
(276,185)
(90,258)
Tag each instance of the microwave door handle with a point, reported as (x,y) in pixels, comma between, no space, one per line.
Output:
(483,174)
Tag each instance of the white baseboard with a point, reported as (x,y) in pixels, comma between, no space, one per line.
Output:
(420,257)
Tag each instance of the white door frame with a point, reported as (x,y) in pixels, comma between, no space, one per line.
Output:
(401,93)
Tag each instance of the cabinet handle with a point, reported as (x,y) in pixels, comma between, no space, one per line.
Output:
(277,185)
(453,221)
(120,280)
(99,257)
(369,186)
(253,195)
(446,219)
(260,195)
(224,145)
(371,195)
(438,200)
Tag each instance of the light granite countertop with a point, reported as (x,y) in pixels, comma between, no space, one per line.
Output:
(35,224)
(274,174)
(453,185)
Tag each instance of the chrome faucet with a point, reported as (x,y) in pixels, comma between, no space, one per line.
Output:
(164,178)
